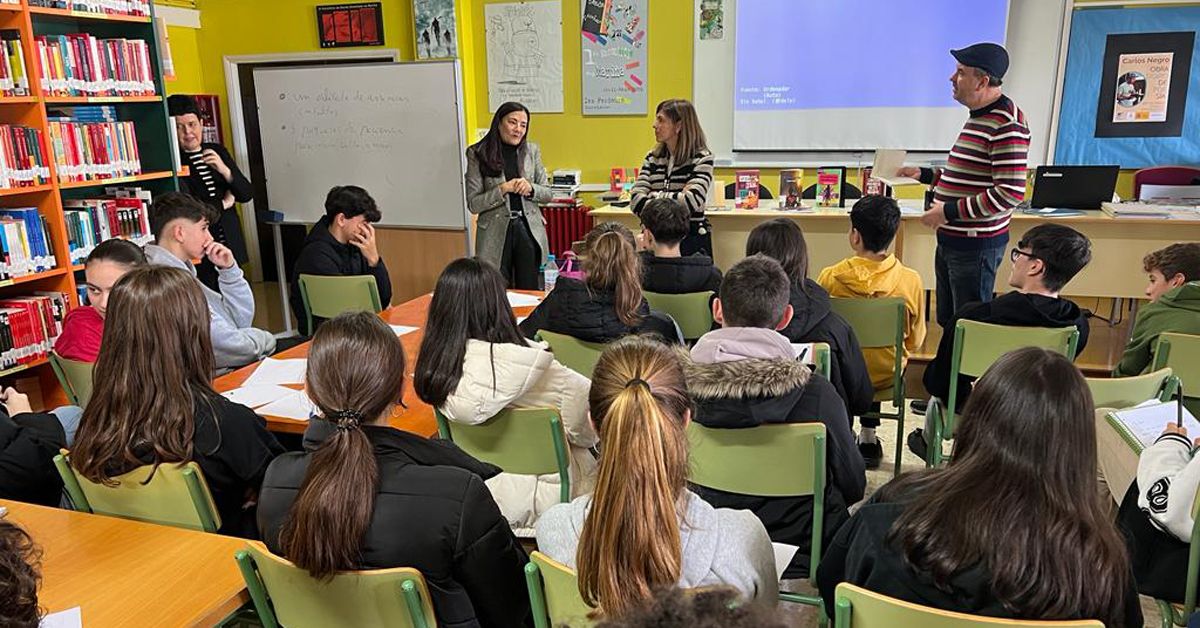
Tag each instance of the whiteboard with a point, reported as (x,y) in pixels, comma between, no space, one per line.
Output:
(394,129)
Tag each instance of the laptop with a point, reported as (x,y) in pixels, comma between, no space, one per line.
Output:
(1072,187)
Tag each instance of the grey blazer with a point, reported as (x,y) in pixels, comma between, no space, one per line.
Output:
(485,199)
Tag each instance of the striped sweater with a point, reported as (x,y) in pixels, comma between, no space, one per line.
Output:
(984,177)
(686,182)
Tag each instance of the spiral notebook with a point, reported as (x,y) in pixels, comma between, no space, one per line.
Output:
(1141,425)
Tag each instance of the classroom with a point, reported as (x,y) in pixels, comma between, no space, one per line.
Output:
(615,313)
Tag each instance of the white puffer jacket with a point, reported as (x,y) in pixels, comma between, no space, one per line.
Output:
(526,377)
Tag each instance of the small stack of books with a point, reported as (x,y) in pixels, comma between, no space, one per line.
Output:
(90,143)
(29,325)
(24,161)
(81,65)
(121,213)
(25,244)
(107,7)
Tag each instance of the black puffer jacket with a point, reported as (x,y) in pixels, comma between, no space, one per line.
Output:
(814,321)
(679,275)
(324,255)
(28,444)
(574,309)
(433,513)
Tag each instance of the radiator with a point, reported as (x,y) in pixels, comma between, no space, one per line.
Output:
(565,225)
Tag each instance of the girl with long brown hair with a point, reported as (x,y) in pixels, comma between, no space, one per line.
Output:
(365,495)
(642,529)
(1015,526)
(679,167)
(155,403)
(608,303)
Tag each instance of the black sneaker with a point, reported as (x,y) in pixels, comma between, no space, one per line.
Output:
(917,444)
(919,406)
(872,453)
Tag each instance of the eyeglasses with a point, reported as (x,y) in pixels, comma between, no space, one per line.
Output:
(1015,253)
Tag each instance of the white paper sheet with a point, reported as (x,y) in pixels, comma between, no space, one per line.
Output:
(70,618)
(516,299)
(403,329)
(296,405)
(272,371)
(255,396)
(784,554)
(888,162)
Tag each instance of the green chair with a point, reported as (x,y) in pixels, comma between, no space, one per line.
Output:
(856,607)
(176,495)
(1181,352)
(328,296)
(554,594)
(525,441)
(1126,392)
(75,377)
(880,323)
(976,347)
(578,355)
(692,311)
(284,594)
(785,460)
(1173,613)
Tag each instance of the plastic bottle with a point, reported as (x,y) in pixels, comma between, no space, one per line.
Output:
(550,273)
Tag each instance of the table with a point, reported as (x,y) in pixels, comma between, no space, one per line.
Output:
(127,573)
(1118,244)
(417,417)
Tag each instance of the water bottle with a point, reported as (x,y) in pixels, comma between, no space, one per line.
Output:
(550,273)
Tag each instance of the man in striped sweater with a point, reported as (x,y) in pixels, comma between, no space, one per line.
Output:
(982,181)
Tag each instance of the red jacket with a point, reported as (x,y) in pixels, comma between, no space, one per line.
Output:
(82,331)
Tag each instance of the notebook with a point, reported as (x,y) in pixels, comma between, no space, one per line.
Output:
(1142,424)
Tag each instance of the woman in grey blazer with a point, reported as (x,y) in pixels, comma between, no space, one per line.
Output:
(505,182)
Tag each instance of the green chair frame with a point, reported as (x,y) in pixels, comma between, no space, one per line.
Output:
(861,608)
(529,441)
(692,311)
(870,318)
(976,347)
(578,355)
(75,377)
(176,495)
(1181,352)
(554,594)
(282,593)
(327,296)
(1125,392)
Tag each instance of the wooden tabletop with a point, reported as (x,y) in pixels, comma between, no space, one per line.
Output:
(128,573)
(417,417)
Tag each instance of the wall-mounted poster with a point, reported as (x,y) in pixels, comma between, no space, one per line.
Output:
(524,55)
(712,19)
(346,25)
(615,68)
(434,25)
(1144,86)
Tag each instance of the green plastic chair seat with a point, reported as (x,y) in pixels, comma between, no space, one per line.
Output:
(75,377)
(859,608)
(554,594)
(328,296)
(1181,352)
(177,495)
(1126,392)
(527,441)
(284,594)
(578,355)
(692,311)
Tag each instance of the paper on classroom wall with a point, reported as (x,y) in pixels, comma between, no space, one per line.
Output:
(524,55)
(615,72)
(279,372)
(712,19)
(434,24)
(1143,87)
(255,396)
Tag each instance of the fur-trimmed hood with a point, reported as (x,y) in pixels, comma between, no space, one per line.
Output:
(745,379)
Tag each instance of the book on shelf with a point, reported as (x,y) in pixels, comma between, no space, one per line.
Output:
(120,213)
(791,186)
(89,143)
(746,189)
(831,186)
(25,238)
(106,7)
(14,79)
(29,325)
(24,160)
(79,64)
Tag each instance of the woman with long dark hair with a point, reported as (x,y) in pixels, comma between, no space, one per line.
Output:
(1015,526)
(474,362)
(365,495)
(505,182)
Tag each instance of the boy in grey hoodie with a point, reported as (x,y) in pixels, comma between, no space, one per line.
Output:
(180,225)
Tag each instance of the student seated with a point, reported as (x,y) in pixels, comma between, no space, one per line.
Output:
(28,443)
(364,495)
(1014,527)
(84,326)
(474,362)
(746,374)
(607,304)
(156,405)
(342,243)
(180,226)
(20,567)
(873,273)
(664,225)
(1045,259)
(812,318)
(1174,304)
(642,529)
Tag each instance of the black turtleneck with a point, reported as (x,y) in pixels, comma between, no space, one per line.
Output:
(512,171)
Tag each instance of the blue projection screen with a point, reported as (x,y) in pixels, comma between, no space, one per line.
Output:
(853,74)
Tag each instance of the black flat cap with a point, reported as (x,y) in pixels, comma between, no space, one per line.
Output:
(991,58)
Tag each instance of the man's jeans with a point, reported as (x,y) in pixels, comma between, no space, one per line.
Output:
(965,277)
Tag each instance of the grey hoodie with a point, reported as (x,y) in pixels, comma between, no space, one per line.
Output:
(231,311)
(720,546)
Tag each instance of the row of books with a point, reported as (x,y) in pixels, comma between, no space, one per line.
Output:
(121,213)
(29,325)
(25,244)
(81,65)
(108,7)
(14,79)
(87,151)
(24,161)
(829,191)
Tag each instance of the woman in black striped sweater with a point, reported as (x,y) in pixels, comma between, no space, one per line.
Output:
(680,167)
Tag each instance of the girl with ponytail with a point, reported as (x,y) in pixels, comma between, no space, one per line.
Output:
(628,539)
(369,496)
(608,304)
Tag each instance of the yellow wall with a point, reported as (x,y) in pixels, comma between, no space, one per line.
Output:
(185,52)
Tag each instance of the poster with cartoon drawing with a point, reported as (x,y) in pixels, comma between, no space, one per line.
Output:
(433,22)
(615,69)
(524,55)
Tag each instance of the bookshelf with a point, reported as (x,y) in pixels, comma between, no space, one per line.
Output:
(148,115)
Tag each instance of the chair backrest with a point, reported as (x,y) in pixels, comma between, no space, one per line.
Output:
(75,377)
(1126,392)
(383,597)
(176,495)
(529,441)
(554,593)
(1181,352)
(877,323)
(692,311)
(328,296)
(1163,175)
(578,355)
(856,607)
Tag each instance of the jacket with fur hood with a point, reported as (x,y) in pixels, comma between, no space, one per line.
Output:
(743,377)
(813,320)
(499,376)
(679,275)
(1175,311)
